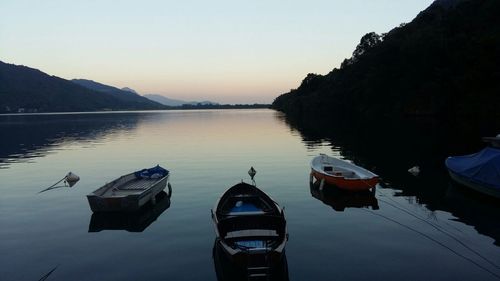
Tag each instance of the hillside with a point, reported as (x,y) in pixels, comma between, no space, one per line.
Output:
(126,94)
(444,65)
(24,89)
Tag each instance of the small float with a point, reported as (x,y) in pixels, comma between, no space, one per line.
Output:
(250,228)
(67,181)
(479,171)
(341,174)
(129,192)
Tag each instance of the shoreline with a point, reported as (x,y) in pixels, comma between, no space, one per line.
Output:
(127,111)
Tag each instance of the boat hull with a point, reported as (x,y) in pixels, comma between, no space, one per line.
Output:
(340,199)
(342,174)
(472,185)
(130,221)
(346,184)
(128,203)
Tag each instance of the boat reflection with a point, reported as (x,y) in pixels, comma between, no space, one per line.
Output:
(132,222)
(481,210)
(226,270)
(340,199)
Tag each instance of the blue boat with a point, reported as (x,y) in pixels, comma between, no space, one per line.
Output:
(479,171)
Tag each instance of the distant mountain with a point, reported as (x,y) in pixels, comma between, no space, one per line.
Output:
(444,65)
(164,100)
(127,95)
(129,90)
(173,102)
(24,89)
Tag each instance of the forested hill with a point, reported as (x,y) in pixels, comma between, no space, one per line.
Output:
(24,89)
(445,64)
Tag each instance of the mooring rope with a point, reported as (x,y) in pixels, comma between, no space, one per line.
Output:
(48,274)
(442,231)
(400,205)
(435,227)
(435,241)
(438,228)
(54,185)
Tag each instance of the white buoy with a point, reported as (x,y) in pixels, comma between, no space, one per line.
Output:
(71,179)
(415,170)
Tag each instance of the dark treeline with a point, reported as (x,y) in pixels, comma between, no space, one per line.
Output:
(412,97)
(444,65)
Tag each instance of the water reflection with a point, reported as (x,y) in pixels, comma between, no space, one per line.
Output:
(391,148)
(229,271)
(204,158)
(473,209)
(340,199)
(132,222)
(31,136)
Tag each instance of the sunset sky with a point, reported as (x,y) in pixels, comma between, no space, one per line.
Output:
(224,51)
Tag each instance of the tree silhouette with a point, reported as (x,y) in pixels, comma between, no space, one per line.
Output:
(367,42)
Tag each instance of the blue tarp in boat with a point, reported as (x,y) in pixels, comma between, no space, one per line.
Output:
(151,173)
(251,244)
(244,207)
(482,167)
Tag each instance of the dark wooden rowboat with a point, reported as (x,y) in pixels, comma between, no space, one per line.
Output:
(250,228)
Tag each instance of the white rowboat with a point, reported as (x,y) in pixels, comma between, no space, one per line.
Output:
(129,192)
(342,174)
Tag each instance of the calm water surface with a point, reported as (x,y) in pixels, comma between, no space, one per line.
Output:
(391,236)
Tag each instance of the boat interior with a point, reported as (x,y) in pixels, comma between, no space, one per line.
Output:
(340,172)
(245,204)
(126,185)
(255,232)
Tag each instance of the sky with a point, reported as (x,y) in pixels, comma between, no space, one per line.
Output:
(223,51)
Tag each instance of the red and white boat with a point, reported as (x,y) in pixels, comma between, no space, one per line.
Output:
(342,174)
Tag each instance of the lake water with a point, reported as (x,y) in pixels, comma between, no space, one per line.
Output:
(400,234)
